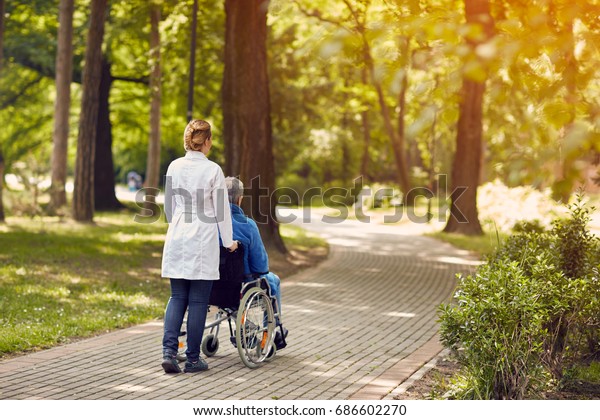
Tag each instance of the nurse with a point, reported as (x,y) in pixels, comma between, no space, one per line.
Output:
(197,210)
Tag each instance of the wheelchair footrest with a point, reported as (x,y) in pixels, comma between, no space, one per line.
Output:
(280,336)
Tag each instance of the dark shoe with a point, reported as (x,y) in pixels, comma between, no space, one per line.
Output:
(192,367)
(170,365)
(280,339)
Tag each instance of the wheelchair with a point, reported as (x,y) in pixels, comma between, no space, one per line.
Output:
(249,305)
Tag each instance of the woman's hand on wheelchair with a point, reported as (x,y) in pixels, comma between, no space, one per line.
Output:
(233,247)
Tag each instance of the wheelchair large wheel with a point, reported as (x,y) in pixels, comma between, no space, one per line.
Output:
(255,327)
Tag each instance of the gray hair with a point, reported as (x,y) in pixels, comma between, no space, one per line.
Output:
(235,189)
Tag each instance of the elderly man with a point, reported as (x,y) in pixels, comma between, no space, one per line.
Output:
(256,260)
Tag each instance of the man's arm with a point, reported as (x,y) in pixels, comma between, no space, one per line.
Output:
(258,259)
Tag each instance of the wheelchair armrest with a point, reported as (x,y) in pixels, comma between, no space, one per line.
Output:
(261,282)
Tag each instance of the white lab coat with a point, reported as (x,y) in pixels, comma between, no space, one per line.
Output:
(197,209)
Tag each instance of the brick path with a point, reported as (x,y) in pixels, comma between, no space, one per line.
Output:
(360,324)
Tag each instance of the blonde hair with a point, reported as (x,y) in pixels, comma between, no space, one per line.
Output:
(196,133)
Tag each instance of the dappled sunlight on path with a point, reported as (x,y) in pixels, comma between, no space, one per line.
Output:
(353,320)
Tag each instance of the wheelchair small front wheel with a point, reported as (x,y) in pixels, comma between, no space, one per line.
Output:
(210,345)
(255,327)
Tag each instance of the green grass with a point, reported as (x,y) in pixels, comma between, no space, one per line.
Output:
(588,373)
(299,239)
(63,280)
(60,280)
(481,245)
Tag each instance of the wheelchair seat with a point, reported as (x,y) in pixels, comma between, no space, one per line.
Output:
(226,291)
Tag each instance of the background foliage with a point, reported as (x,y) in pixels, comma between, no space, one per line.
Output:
(318,92)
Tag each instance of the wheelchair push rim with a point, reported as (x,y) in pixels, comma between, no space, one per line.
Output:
(255,326)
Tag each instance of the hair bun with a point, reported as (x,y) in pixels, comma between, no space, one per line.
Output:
(196,133)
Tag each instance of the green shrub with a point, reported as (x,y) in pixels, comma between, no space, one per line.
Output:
(521,316)
(575,244)
(528,226)
(497,331)
(522,248)
(574,249)
(591,313)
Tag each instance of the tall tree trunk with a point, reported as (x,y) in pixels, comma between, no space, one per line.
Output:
(104,170)
(190,103)
(1,67)
(400,149)
(345,125)
(466,168)
(397,142)
(153,160)
(62,105)
(231,141)
(83,197)
(2,217)
(366,129)
(2,8)
(247,112)
(563,188)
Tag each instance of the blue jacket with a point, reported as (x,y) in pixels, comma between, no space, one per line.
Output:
(256,260)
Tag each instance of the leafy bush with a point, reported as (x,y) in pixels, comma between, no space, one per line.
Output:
(528,226)
(30,177)
(522,248)
(521,316)
(589,326)
(574,249)
(496,329)
(576,245)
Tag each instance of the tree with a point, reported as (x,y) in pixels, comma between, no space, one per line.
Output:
(466,168)
(83,197)
(194,29)
(1,33)
(366,132)
(357,25)
(1,186)
(396,137)
(64,73)
(562,21)
(153,161)
(247,112)
(1,66)
(104,173)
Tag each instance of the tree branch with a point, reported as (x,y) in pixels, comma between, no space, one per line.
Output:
(352,11)
(316,14)
(25,61)
(11,101)
(43,71)
(144,80)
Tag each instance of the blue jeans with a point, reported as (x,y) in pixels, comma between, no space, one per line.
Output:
(192,295)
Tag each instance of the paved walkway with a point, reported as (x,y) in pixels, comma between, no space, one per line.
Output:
(360,324)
